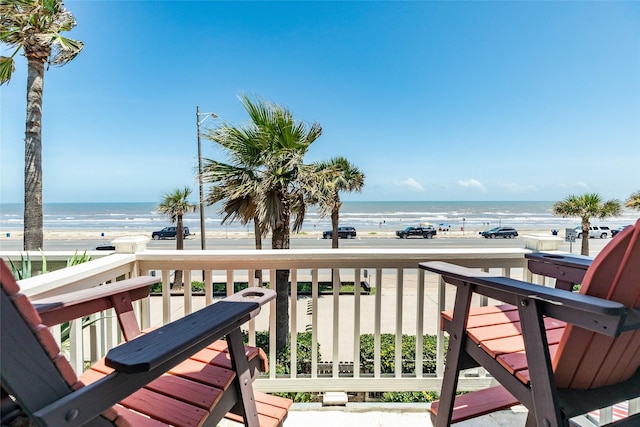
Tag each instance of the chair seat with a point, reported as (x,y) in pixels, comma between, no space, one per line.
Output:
(188,393)
(497,330)
(561,354)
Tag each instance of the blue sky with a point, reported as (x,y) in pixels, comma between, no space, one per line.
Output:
(432,100)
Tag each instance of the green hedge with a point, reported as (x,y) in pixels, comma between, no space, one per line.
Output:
(387,353)
(387,349)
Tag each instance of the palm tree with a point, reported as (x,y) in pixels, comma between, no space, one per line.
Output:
(34,26)
(587,206)
(175,205)
(347,178)
(266,181)
(633,201)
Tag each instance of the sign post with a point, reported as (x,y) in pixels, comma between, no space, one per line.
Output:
(570,236)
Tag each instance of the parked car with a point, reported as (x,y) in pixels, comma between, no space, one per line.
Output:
(343,233)
(106,247)
(168,233)
(425,232)
(503,232)
(594,232)
(619,229)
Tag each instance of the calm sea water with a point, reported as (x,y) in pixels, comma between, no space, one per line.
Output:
(362,215)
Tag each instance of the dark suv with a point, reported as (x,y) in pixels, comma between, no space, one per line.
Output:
(168,233)
(426,232)
(503,232)
(343,233)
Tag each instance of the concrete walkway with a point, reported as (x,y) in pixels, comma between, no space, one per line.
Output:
(385,415)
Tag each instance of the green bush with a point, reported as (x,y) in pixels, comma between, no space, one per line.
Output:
(283,365)
(409,396)
(219,288)
(387,353)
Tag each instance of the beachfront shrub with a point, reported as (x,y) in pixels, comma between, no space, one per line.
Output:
(387,353)
(75,260)
(283,357)
(25,270)
(303,352)
(410,396)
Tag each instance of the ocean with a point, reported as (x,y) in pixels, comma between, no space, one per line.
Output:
(534,215)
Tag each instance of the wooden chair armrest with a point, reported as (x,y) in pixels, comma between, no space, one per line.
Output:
(149,356)
(596,314)
(73,305)
(567,269)
(175,341)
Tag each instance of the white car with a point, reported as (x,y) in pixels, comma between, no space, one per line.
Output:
(594,232)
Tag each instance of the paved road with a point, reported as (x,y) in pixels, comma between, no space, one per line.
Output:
(193,242)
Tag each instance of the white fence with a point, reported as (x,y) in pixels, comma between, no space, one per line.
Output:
(403,300)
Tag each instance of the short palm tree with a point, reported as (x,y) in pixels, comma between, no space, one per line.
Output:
(175,205)
(347,178)
(266,181)
(633,201)
(587,206)
(35,27)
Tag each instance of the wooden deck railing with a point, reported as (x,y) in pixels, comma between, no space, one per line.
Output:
(403,300)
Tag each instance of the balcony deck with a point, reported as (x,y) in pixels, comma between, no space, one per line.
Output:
(405,301)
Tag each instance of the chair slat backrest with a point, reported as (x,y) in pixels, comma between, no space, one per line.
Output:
(34,370)
(588,360)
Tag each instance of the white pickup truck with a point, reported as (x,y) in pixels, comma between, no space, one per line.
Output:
(594,232)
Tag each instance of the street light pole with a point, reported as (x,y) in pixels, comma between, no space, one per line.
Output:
(203,240)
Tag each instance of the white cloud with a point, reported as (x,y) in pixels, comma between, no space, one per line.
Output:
(472,183)
(410,183)
(582,184)
(519,188)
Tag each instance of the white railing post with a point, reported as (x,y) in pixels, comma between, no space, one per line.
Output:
(294,323)
(377,325)
(419,322)
(398,328)
(314,323)
(356,324)
(336,283)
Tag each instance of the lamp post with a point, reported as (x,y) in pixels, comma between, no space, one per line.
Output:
(205,116)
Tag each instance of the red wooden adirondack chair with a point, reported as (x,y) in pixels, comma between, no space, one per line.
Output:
(559,353)
(180,374)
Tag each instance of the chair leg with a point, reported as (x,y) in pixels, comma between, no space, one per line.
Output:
(531,421)
(243,379)
(454,355)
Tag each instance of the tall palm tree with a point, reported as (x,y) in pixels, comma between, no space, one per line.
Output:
(266,181)
(34,26)
(175,205)
(347,178)
(587,206)
(633,201)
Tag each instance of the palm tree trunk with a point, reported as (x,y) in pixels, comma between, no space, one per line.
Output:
(584,249)
(280,240)
(334,228)
(177,278)
(335,273)
(257,230)
(33,234)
